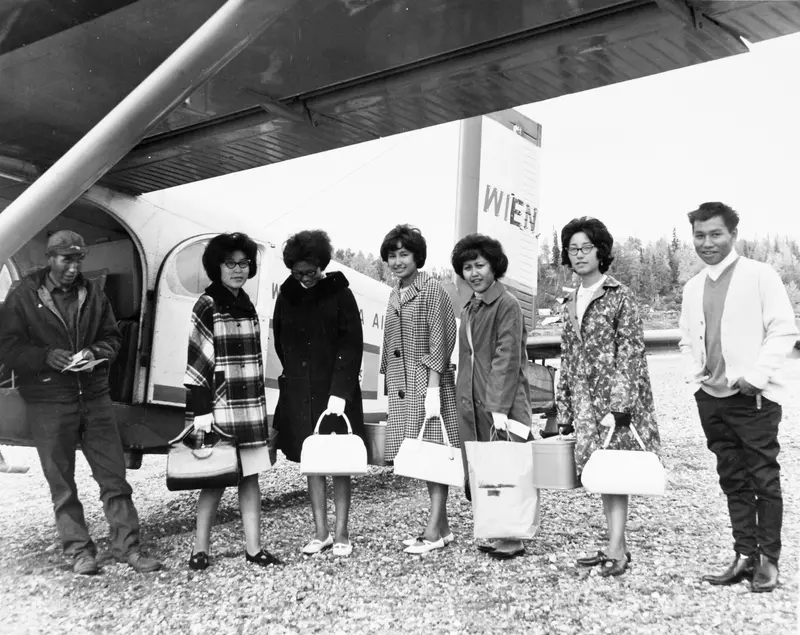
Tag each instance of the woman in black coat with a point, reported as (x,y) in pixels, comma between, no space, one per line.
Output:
(319,340)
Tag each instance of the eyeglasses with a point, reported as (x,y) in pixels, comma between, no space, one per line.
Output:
(308,273)
(242,264)
(584,249)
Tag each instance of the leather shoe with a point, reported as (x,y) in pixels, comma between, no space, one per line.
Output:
(765,575)
(739,569)
(85,564)
(600,558)
(614,567)
(262,558)
(142,564)
(505,549)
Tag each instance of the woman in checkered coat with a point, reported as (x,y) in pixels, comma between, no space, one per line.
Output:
(418,340)
(225,386)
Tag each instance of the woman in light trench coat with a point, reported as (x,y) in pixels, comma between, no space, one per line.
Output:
(492,386)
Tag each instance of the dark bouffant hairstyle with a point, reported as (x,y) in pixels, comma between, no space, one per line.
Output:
(707,211)
(476,245)
(597,232)
(409,238)
(312,246)
(222,246)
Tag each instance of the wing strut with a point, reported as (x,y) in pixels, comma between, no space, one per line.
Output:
(209,49)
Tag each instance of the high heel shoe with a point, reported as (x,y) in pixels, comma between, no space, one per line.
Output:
(198,561)
(262,558)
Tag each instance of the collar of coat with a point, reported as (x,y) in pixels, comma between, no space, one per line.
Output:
(397,299)
(225,300)
(490,295)
(331,284)
(572,300)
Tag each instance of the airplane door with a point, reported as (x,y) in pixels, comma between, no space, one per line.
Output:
(181,281)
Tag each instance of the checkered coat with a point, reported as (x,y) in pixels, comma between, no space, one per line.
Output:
(419,335)
(224,368)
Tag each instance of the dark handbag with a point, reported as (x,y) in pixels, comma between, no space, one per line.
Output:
(211,466)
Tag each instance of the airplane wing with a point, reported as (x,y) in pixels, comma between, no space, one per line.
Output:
(330,73)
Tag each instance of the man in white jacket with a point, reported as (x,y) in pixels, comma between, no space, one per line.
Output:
(738,328)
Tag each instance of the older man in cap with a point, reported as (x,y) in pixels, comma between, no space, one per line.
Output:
(52,320)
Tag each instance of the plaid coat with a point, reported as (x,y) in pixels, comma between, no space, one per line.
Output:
(419,335)
(224,368)
(604,369)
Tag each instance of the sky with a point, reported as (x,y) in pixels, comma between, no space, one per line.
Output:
(638,155)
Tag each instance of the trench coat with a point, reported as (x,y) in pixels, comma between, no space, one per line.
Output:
(419,336)
(491,371)
(604,369)
(319,341)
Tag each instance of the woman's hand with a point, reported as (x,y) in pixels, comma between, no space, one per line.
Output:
(335,406)
(203,423)
(500,421)
(433,402)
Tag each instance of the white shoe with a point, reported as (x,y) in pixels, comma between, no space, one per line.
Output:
(315,546)
(424,546)
(341,549)
(412,541)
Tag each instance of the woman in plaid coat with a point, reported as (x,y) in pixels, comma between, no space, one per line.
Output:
(418,340)
(225,386)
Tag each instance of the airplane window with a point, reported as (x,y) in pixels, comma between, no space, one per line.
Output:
(5,282)
(190,279)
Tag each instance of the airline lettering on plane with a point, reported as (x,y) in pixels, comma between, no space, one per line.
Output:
(515,211)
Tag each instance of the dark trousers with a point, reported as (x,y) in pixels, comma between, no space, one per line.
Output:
(745,442)
(57,428)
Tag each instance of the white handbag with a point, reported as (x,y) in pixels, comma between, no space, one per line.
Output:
(333,454)
(628,472)
(429,461)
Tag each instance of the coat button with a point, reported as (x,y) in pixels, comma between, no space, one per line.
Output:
(478,402)
(304,364)
(397,352)
(401,394)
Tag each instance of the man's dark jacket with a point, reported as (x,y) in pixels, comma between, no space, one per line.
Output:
(32,326)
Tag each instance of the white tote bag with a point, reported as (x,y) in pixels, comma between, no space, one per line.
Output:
(428,461)
(333,454)
(627,472)
(505,503)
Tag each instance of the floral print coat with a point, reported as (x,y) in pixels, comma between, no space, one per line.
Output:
(604,369)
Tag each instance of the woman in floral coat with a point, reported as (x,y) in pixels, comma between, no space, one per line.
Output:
(418,340)
(604,380)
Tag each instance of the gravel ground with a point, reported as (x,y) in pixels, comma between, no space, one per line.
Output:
(674,540)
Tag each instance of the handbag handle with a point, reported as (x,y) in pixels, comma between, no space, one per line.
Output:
(343,416)
(635,436)
(444,430)
(190,428)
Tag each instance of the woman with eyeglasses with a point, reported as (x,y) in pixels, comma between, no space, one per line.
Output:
(604,380)
(319,340)
(225,387)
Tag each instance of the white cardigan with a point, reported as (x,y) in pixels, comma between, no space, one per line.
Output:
(758,330)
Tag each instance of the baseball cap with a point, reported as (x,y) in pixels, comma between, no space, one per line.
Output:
(65,242)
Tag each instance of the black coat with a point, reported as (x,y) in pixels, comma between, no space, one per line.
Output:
(319,340)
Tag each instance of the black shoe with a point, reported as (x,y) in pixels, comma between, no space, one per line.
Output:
(505,549)
(614,567)
(600,558)
(739,569)
(199,561)
(263,558)
(765,575)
